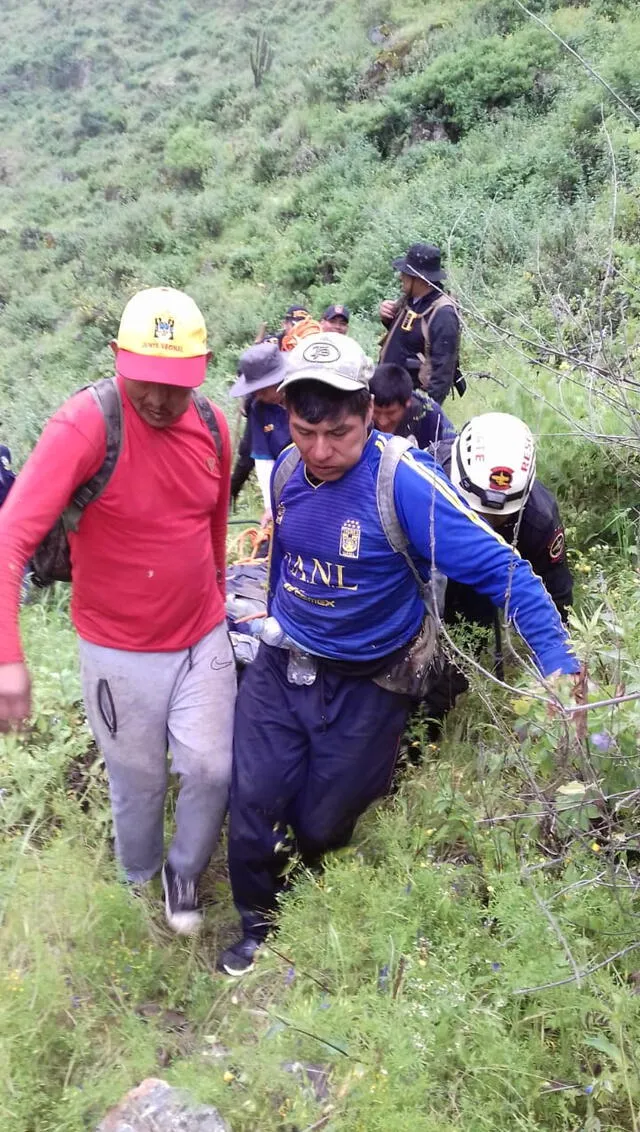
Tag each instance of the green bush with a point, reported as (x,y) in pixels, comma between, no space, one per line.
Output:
(188,156)
(95,122)
(271,161)
(461,87)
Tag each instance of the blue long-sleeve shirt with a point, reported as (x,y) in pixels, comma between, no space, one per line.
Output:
(339,590)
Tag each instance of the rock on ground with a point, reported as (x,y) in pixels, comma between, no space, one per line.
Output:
(154,1106)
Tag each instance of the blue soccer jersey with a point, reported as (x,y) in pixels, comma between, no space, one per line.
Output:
(339,590)
(269,426)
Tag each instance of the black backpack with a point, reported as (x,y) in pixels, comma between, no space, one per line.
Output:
(52,561)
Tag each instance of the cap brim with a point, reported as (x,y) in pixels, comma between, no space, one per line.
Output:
(185,372)
(242,387)
(335,380)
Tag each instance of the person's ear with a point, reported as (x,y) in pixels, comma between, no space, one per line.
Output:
(407,403)
(369,419)
(114,347)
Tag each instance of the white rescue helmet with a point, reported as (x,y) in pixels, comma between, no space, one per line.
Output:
(493,463)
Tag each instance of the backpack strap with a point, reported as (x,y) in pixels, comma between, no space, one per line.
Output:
(392,454)
(284,472)
(432,591)
(439,304)
(206,414)
(386,339)
(107,397)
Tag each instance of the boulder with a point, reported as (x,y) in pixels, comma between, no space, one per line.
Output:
(155,1106)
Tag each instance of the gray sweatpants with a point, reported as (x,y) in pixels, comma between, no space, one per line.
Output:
(141,705)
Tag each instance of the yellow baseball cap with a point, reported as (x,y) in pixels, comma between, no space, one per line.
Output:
(162,337)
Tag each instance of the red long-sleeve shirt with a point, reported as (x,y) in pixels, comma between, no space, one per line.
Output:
(149,555)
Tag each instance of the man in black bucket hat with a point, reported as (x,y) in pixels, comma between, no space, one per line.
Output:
(423,328)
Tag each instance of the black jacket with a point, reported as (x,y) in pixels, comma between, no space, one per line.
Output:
(406,341)
(541,542)
(244,462)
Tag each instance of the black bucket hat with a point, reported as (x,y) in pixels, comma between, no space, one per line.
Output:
(260,366)
(423,261)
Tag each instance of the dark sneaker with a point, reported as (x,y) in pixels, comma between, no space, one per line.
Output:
(181,902)
(238,959)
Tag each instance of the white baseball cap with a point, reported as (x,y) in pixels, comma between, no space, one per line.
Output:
(334,359)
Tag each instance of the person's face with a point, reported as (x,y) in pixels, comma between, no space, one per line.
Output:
(406,282)
(159,405)
(287,325)
(338,325)
(496,521)
(412,287)
(268,396)
(331,448)
(388,417)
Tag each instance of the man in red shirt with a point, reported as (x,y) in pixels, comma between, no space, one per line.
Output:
(148,592)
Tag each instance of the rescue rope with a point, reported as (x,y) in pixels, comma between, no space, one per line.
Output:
(258,539)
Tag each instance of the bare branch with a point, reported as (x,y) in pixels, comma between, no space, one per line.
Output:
(583,974)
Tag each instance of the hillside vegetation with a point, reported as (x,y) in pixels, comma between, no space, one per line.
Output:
(470,964)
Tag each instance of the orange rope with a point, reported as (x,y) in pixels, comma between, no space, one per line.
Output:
(256,537)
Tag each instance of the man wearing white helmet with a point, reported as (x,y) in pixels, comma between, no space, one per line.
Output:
(493,466)
(492,463)
(360,520)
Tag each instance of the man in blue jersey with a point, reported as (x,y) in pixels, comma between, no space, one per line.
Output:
(318,721)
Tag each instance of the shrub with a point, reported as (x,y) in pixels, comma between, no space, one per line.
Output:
(188,155)
(271,160)
(334,80)
(460,87)
(95,122)
(66,70)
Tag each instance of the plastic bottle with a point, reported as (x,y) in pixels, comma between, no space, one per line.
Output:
(272,633)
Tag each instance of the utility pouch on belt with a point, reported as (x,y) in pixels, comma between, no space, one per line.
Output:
(414,671)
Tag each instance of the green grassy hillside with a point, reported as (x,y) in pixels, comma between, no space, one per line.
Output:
(470,964)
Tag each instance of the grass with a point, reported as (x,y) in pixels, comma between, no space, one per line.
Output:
(398,993)
(401,986)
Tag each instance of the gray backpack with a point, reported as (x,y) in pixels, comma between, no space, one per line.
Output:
(52,561)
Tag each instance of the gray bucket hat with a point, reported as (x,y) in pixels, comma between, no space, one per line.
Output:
(259,367)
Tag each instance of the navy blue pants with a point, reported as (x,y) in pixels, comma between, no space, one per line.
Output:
(311,758)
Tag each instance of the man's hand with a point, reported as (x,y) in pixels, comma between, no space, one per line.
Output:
(15,695)
(574,688)
(388,310)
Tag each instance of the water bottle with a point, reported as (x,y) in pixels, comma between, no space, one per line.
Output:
(302,668)
(273,634)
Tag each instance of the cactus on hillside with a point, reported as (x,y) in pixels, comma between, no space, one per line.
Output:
(261,58)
